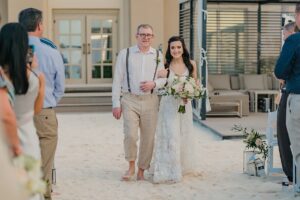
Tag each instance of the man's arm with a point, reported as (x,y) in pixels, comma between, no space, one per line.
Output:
(157,83)
(8,120)
(284,63)
(160,82)
(117,84)
(59,79)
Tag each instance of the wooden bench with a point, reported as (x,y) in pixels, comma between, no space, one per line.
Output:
(234,104)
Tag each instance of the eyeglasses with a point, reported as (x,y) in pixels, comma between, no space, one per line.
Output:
(143,35)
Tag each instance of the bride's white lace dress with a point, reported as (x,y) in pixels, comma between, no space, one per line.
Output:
(173,152)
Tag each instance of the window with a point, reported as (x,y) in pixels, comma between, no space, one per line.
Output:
(240,39)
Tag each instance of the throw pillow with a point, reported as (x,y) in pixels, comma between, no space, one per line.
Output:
(219,81)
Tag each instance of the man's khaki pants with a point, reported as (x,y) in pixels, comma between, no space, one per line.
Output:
(46,126)
(139,112)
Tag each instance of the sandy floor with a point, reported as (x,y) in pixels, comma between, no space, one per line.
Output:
(90,162)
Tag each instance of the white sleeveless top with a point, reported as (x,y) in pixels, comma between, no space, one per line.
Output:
(24,109)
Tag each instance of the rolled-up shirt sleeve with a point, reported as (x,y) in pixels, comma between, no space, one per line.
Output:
(118,79)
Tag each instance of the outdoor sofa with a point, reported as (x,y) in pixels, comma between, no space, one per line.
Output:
(237,94)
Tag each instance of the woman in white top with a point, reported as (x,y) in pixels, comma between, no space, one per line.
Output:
(20,67)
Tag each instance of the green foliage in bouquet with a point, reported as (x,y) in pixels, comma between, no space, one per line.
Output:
(253,140)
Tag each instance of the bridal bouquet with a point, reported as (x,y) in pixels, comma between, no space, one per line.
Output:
(184,88)
(29,174)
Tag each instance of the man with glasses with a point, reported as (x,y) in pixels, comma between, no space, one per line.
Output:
(135,76)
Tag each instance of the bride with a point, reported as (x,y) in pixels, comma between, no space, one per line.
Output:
(173,152)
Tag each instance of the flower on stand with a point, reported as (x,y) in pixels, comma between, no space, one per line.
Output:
(29,174)
(184,88)
(253,140)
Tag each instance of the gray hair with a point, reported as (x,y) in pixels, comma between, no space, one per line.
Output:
(289,26)
(143,26)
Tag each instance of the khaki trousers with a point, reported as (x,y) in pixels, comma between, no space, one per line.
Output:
(139,112)
(293,127)
(46,126)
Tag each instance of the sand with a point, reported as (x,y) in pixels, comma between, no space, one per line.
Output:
(90,162)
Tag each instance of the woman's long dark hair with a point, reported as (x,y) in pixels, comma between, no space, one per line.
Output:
(13,52)
(185,55)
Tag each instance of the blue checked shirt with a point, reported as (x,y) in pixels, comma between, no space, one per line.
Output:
(51,64)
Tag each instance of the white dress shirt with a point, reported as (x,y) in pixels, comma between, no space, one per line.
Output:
(141,67)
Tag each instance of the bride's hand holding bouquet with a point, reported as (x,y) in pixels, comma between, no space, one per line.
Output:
(185,88)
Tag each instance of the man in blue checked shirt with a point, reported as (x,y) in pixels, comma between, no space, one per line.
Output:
(51,64)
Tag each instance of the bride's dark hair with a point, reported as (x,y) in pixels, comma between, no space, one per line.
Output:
(185,55)
(13,48)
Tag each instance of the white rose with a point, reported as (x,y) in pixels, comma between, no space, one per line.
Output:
(182,79)
(189,88)
(178,87)
(258,142)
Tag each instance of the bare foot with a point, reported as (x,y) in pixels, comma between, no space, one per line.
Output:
(130,172)
(55,193)
(128,176)
(140,175)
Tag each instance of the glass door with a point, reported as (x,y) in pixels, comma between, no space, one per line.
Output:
(70,38)
(101,47)
(88,43)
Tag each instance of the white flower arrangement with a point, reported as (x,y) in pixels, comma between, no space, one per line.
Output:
(29,174)
(184,88)
(253,140)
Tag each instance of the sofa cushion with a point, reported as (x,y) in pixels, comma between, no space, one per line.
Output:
(234,80)
(219,81)
(241,81)
(255,82)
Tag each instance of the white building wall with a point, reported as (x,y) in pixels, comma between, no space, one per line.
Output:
(3,12)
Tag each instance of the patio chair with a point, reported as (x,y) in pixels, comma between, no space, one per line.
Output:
(271,142)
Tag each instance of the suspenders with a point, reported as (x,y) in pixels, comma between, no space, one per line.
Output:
(128,82)
(127,71)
